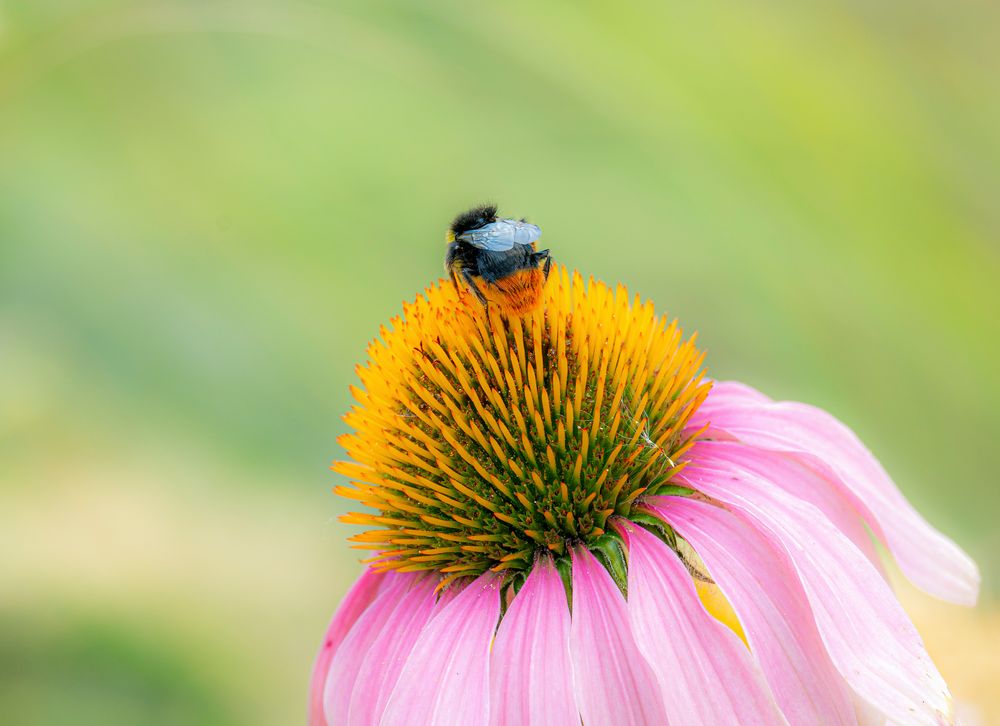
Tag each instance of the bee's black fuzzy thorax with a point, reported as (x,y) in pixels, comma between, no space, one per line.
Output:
(474,218)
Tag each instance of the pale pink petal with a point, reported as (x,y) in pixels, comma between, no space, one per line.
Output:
(762,587)
(531,681)
(614,685)
(870,639)
(360,596)
(445,680)
(728,393)
(932,561)
(384,660)
(795,477)
(351,654)
(707,675)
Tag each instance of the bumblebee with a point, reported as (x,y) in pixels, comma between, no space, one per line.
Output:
(496,259)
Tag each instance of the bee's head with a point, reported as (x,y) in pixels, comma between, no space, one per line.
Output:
(473,219)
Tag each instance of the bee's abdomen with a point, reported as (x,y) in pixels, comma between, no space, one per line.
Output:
(518,293)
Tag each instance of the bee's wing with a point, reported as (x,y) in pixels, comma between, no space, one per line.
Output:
(496,236)
(502,235)
(524,232)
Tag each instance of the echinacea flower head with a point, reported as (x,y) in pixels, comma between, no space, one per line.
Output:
(569,522)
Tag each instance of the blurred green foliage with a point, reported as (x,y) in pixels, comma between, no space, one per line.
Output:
(208,208)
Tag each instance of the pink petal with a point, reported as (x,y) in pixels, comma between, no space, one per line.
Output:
(795,477)
(530,673)
(729,393)
(868,636)
(763,589)
(614,684)
(445,680)
(349,657)
(932,561)
(384,660)
(707,675)
(360,596)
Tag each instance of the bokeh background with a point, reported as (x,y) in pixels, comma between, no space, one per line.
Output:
(208,208)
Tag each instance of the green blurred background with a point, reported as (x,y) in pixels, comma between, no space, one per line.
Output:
(208,208)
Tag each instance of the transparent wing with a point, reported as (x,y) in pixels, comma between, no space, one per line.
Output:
(502,235)
(524,233)
(495,236)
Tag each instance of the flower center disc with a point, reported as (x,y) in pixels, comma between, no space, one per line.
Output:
(480,439)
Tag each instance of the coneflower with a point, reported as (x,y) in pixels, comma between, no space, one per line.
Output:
(571,523)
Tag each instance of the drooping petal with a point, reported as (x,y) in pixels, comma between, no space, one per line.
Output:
(613,682)
(347,661)
(445,680)
(706,672)
(359,597)
(867,634)
(531,681)
(795,477)
(384,660)
(928,558)
(764,591)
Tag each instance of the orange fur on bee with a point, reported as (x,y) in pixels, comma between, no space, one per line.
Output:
(516,294)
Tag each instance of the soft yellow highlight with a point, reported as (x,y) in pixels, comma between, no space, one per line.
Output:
(718,606)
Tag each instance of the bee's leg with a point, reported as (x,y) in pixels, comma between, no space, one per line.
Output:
(548,262)
(467,276)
